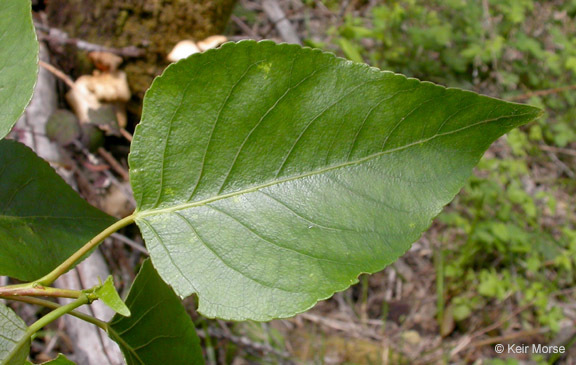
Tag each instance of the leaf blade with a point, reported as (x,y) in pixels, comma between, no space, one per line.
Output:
(13,348)
(42,220)
(108,294)
(159,329)
(18,61)
(306,170)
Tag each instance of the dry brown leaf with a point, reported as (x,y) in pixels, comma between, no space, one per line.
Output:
(82,99)
(89,92)
(109,86)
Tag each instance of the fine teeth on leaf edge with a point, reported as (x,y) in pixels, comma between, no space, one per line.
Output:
(268,177)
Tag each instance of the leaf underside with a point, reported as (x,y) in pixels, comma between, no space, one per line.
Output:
(268,177)
(18,61)
(12,331)
(42,220)
(159,331)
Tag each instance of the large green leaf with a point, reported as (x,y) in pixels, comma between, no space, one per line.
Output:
(159,331)
(18,61)
(14,347)
(42,220)
(268,177)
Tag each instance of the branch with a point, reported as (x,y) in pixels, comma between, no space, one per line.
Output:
(543,92)
(58,36)
(61,75)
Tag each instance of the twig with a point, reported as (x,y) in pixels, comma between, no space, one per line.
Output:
(562,165)
(29,289)
(468,339)
(61,37)
(114,164)
(244,341)
(350,328)
(500,339)
(565,151)
(277,16)
(56,72)
(543,92)
(503,321)
(126,134)
(509,337)
(563,292)
(95,162)
(245,28)
(135,245)
(461,345)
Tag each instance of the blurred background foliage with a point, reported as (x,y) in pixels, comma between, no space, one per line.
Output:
(505,249)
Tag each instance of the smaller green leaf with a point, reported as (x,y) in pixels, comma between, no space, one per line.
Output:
(108,294)
(60,360)
(350,50)
(159,330)
(14,347)
(42,220)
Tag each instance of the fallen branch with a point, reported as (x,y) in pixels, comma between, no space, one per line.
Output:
(282,24)
(561,165)
(565,151)
(56,72)
(58,36)
(512,336)
(131,243)
(468,339)
(126,134)
(244,341)
(543,92)
(114,164)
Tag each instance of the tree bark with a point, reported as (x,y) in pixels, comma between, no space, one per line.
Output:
(156,25)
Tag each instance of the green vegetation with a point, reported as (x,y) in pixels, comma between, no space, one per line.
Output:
(510,236)
(505,48)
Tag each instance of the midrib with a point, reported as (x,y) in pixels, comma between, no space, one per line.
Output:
(142,214)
